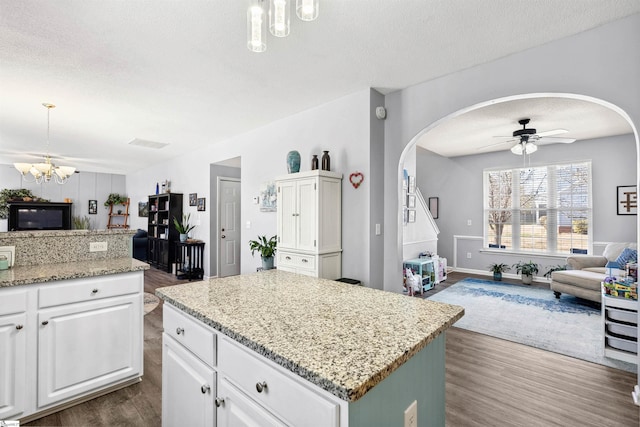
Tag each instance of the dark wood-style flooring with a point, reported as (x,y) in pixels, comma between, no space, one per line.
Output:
(490,382)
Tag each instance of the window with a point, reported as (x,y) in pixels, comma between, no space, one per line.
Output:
(539,209)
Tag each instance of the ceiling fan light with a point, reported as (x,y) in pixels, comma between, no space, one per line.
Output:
(530,147)
(517,149)
(307,10)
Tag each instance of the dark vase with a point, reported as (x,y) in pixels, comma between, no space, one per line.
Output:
(497,276)
(326,161)
(314,162)
(293,162)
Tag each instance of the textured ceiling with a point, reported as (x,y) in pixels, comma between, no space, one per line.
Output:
(179,72)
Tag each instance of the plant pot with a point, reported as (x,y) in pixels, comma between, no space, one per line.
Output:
(497,276)
(527,279)
(183,238)
(267,263)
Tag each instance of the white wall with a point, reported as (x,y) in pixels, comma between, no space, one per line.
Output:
(458,183)
(341,126)
(601,63)
(80,188)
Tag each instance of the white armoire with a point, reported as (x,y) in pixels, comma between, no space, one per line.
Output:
(310,223)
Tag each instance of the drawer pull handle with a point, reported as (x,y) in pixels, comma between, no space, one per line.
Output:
(305,260)
(18,327)
(205,388)
(179,331)
(261,386)
(219,402)
(95,291)
(45,322)
(288,258)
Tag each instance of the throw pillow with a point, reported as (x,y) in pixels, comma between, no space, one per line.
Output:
(627,255)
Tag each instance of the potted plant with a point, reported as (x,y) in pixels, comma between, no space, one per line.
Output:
(266,248)
(527,269)
(498,269)
(8,195)
(115,199)
(555,268)
(183,226)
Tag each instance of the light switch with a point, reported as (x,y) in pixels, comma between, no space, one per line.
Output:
(248,225)
(377,229)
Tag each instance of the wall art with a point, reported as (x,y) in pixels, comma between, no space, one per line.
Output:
(193,199)
(93,207)
(627,200)
(268,197)
(202,204)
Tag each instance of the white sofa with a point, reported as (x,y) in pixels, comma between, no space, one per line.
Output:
(586,273)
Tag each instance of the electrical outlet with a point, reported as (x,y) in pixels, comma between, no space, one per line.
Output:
(468,255)
(411,415)
(97,246)
(468,222)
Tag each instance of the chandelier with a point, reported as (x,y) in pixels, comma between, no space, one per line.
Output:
(277,12)
(45,171)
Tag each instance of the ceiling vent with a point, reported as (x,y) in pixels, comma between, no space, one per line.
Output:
(147,144)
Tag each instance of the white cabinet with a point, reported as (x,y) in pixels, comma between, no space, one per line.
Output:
(620,323)
(63,341)
(237,410)
(13,354)
(85,346)
(188,387)
(188,374)
(309,223)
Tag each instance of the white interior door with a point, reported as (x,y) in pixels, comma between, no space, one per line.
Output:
(229,227)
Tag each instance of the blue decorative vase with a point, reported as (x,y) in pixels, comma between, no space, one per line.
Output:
(293,162)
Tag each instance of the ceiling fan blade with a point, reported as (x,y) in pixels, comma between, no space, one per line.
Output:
(498,143)
(552,132)
(554,140)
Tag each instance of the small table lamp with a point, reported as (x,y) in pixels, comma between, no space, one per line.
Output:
(611,265)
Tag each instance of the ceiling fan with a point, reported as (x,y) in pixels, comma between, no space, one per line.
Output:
(527,139)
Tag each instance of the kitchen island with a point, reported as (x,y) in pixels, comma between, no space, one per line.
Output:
(70,320)
(287,349)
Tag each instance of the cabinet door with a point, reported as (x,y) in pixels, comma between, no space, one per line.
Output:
(287,215)
(238,410)
(307,215)
(85,346)
(13,355)
(188,387)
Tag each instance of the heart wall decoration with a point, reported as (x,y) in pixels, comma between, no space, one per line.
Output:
(356,179)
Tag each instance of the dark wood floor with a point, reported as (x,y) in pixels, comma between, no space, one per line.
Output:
(490,382)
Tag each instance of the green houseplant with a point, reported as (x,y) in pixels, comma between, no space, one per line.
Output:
(498,269)
(8,195)
(81,223)
(115,199)
(527,269)
(555,268)
(183,227)
(266,248)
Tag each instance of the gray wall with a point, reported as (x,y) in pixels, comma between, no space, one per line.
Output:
(458,183)
(216,171)
(376,197)
(80,188)
(599,63)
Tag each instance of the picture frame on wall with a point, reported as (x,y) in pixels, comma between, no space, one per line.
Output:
(433,207)
(201,204)
(627,199)
(143,209)
(193,199)
(93,207)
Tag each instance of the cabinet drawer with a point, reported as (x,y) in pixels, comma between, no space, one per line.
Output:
(13,301)
(191,333)
(621,344)
(289,397)
(621,315)
(88,289)
(622,330)
(292,260)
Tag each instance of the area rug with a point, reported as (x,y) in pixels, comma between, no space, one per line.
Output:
(531,316)
(150,302)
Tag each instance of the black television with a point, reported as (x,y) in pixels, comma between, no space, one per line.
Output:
(39,216)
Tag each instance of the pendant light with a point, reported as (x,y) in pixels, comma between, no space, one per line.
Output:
(45,171)
(257,26)
(279,17)
(307,10)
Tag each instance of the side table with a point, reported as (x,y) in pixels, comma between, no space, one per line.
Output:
(189,256)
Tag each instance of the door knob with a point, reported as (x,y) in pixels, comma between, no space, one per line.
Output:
(45,323)
(205,388)
(219,402)
(179,331)
(18,327)
(261,386)
(223,236)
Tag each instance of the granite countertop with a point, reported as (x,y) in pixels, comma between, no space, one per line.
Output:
(341,337)
(25,275)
